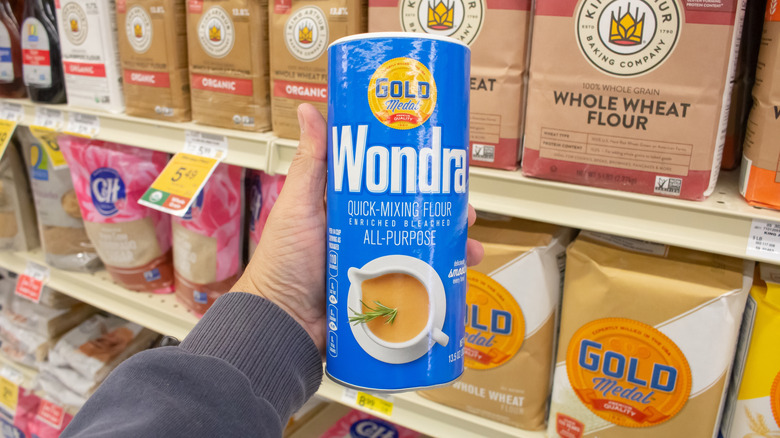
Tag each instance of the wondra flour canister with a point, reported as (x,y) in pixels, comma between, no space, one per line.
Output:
(397,210)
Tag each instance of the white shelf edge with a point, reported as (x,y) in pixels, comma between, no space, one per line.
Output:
(163,314)
(245,149)
(158,312)
(412,411)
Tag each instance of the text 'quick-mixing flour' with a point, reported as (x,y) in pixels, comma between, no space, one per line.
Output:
(397,210)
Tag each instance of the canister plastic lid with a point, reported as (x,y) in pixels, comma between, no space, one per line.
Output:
(415,35)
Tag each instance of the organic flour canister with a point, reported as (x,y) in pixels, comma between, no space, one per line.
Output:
(90,56)
(397,210)
(497,31)
(631,95)
(512,315)
(647,339)
(300,33)
(753,409)
(153,44)
(227,42)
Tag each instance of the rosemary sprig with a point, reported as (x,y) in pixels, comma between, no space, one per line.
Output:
(381,311)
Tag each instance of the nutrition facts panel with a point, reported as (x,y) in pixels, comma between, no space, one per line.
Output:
(619,152)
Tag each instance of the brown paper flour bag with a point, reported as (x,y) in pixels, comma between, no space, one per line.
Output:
(512,300)
(647,339)
(153,48)
(301,31)
(631,95)
(497,33)
(227,42)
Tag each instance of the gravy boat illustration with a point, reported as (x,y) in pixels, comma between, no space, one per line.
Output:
(422,342)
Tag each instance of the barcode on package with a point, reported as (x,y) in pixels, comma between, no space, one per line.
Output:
(668,185)
(483,152)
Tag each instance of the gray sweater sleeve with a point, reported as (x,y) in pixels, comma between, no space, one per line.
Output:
(242,371)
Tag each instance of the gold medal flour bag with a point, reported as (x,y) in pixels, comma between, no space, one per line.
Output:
(228,45)
(631,95)
(753,410)
(497,33)
(153,47)
(512,301)
(300,32)
(647,339)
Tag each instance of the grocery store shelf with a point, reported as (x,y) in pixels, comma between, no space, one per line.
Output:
(412,411)
(721,224)
(160,313)
(246,149)
(163,314)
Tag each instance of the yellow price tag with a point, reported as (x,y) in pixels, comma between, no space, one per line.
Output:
(179,183)
(374,403)
(6,131)
(48,139)
(9,394)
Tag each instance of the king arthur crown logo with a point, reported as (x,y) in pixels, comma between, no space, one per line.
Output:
(440,16)
(138,31)
(74,25)
(215,34)
(626,30)
(304,34)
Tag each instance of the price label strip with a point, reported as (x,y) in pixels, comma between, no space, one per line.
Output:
(764,240)
(83,125)
(30,283)
(48,118)
(11,111)
(381,404)
(48,142)
(185,175)
(10,114)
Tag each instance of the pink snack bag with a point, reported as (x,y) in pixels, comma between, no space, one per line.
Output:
(263,191)
(207,241)
(50,420)
(133,241)
(360,424)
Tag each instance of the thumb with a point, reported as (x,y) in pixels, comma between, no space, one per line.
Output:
(306,177)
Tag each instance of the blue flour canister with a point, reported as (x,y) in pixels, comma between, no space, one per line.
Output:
(398,138)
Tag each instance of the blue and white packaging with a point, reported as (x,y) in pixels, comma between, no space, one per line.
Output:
(398,138)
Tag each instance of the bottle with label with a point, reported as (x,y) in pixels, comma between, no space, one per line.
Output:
(11,84)
(42,63)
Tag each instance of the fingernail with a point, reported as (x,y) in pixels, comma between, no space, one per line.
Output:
(300,120)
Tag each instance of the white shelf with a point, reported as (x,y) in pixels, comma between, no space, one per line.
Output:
(163,314)
(245,149)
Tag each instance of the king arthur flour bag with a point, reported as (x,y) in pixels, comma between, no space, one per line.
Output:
(63,236)
(89,54)
(133,241)
(153,44)
(631,95)
(497,33)
(753,409)
(760,177)
(647,339)
(208,240)
(228,44)
(512,301)
(300,32)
